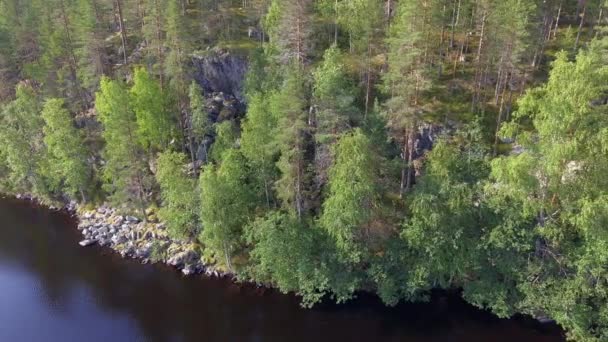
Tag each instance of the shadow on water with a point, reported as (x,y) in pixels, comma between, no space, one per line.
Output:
(53,290)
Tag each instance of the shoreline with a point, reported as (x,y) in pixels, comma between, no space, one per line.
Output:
(131,238)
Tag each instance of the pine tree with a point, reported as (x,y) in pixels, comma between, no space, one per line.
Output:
(408,77)
(288,106)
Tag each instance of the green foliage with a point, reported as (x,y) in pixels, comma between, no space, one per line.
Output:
(125,173)
(225,206)
(334,96)
(353,195)
(155,126)
(225,139)
(23,148)
(557,186)
(66,151)
(285,252)
(180,198)
(201,125)
(259,144)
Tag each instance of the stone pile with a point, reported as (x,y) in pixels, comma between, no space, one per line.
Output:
(132,238)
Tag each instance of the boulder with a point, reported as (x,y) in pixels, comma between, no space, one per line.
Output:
(132,219)
(183,258)
(87,242)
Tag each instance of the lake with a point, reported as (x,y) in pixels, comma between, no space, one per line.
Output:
(53,290)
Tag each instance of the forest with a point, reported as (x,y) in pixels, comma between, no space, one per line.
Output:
(390,146)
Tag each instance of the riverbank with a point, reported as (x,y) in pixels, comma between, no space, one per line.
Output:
(133,238)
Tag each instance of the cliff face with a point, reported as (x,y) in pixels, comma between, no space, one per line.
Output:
(221,75)
(219,72)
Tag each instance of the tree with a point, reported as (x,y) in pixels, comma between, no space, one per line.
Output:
(288,106)
(180,199)
(408,77)
(225,139)
(292,20)
(352,196)
(557,187)
(154,123)
(335,109)
(225,206)
(200,125)
(126,176)
(287,253)
(259,143)
(90,35)
(66,150)
(362,20)
(22,143)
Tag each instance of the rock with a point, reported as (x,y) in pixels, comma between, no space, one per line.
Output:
(104,242)
(545,320)
(143,253)
(85,232)
(118,239)
(128,251)
(221,72)
(188,270)
(183,258)
(132,219)
(87,242)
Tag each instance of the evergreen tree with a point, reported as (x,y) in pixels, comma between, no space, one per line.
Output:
(288,106)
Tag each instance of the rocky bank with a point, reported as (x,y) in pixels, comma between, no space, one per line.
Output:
(133,238)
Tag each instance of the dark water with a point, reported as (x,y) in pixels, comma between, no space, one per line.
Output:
(53,290)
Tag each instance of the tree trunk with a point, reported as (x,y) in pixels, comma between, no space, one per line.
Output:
(580,28)
(123,31)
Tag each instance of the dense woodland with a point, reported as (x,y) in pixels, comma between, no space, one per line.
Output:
(323,187)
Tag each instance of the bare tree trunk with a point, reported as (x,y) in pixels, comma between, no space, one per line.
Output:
(559,13)
(580,28)
(123,31)
(368,85)
(159,38)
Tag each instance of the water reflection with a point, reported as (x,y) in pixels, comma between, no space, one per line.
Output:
(53,290)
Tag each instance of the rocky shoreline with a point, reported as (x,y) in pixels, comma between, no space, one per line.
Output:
(132,238)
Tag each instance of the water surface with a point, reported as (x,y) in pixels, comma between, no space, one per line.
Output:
(52,290)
